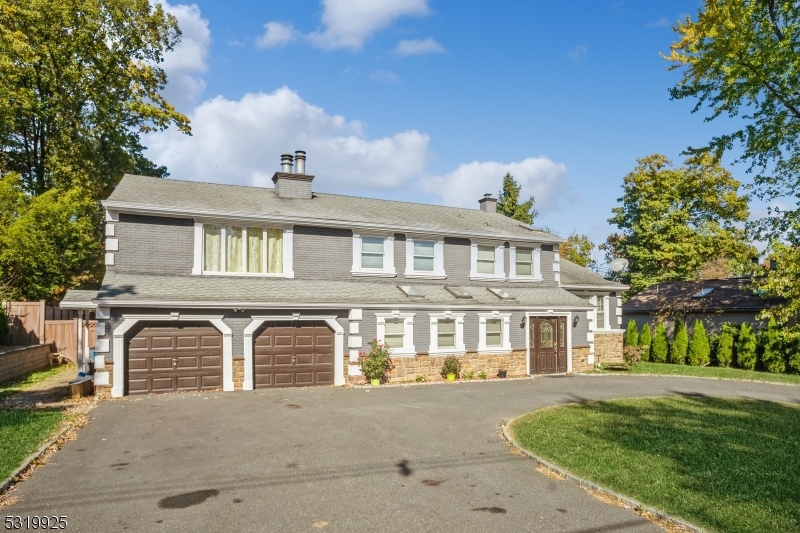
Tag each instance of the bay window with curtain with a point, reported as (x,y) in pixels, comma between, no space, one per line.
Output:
(244,250)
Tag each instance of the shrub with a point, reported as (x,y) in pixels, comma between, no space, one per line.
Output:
(713,342)
(5,328)
(646,337)
(791,343)
(680,343)
(725,346)
(699,349)
(469,375)
(420,378)
(483,375)
(660,347)
(451,366)
(377,363)
(772,355)
(746,348)
(632,354)
(631,334)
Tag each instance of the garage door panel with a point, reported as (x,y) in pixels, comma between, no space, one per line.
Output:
(166,358)
(300,354)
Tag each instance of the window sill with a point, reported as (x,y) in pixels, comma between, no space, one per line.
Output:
(494,349)
(478,277)
(521,279)
(376,274)
(424,275)
(248,274)
(446,351)
(402,353)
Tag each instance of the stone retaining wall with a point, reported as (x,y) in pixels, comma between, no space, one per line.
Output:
(18,361)
(608,347)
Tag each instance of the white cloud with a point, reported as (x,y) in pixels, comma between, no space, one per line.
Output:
(663,22)
(188,59)
(240,141)
(577,53)
(537,176)
(417,47)
(277,34)
(385,76)
(348,23)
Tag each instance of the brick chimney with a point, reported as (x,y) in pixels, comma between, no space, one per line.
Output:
(290,184)
(488,203)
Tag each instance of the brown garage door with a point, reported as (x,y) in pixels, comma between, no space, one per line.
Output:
(171,358)
(293,356)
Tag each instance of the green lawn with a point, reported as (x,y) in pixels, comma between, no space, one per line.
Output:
(22,431)
(21,383)
(712,372)
(728,465)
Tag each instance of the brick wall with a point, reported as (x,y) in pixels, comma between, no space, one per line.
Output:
(608,347)
(15,362)
(580,360)
(154,244)
(408,368)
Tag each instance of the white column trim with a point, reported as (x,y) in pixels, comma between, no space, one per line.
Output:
(388,255)
(118,387)
(537,262)
(288,251)
(330,320)
(197,267)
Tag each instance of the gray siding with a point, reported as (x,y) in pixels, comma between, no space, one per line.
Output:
(154,244)
(457,261)
(399,254)
(322,253)
(547,260)
(580,330)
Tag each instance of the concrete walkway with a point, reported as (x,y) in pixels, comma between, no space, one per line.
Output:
(419,458)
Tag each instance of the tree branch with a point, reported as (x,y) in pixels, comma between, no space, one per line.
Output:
(774,19)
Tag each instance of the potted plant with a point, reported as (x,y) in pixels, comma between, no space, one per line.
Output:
(376,364)
(451,368)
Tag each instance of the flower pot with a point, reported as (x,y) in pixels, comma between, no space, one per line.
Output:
(451,377)
(502,374)
(375,382)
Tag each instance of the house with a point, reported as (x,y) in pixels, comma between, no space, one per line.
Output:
(220,286)
(714,301)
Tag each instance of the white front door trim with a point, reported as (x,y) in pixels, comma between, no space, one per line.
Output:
(528,316)
(118,386)
(338,344)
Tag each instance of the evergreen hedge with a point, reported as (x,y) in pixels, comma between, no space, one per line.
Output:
(645,339)
(725,346)
(699,349)
(746,348)
(772,355)
(680,343)
(660,346)
(631,334)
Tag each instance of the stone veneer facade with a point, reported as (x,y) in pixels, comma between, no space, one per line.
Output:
(580,360)
(238,374)
(608,347)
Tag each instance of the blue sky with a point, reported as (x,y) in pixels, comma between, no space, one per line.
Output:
(430,100)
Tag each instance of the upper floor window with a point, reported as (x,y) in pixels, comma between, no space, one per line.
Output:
(525,263)
(601,312)
(424,257)
(487,262)
(373,255)
(242,249)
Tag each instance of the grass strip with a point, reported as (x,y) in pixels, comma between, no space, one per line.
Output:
(32,378)
(728,465)
(666,369)
(22,431)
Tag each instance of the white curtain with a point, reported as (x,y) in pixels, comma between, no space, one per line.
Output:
(275,251)
(255,250)
(212,247)
(233,249)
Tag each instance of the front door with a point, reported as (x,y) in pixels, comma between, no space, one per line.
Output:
(548,344)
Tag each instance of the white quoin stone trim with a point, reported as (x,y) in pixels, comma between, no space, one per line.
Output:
(338,344)
(109,230)
(118,387)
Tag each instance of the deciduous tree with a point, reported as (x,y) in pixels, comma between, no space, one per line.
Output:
(578,249)
(672,221)
(508,202)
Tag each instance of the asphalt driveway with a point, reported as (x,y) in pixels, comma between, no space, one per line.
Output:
(420,458)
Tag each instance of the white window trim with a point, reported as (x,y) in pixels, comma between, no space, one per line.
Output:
(506,321)
(434,344)
(408,332)
(438,258)
(499,266)
(594,325)
(288,248)
(388,270)
(537,264)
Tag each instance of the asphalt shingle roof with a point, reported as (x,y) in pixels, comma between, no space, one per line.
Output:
(127,288)
(573,275)
(732,294)
(196,198)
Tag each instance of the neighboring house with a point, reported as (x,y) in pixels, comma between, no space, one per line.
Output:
(211,286)
(714,301)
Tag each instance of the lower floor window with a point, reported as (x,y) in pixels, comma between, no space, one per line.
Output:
(394,332)
(494,332)
(447,334)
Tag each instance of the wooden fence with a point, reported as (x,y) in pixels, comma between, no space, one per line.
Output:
(36,323)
